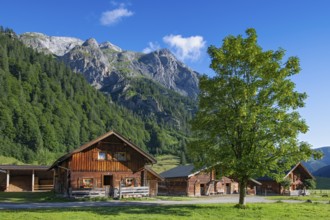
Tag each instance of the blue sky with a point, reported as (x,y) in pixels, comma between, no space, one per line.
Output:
(188,27)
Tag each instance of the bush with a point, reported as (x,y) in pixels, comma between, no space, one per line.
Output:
(309,183)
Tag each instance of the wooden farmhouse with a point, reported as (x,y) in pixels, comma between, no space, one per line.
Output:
(185,180)
(111,164)
(296,175)
(19,178)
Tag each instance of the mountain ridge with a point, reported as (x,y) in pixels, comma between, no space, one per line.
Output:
(98,62)
(314,165)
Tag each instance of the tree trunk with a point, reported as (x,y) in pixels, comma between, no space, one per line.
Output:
(242,191)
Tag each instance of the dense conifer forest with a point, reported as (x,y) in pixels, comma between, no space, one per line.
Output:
(47,110)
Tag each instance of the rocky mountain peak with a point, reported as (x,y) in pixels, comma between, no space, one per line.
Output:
(91,42)
(108,45)
(50,44)
(164,51)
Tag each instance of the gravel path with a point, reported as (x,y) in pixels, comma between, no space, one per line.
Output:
(114,203)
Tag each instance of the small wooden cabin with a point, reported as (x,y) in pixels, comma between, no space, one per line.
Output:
(297,174)
(185,180)
(28,178)
(109,162)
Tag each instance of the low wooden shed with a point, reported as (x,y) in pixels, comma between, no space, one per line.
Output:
(186,180)
(19,178)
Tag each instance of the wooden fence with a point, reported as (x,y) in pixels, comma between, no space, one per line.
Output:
(123,192)
(43,188)
(96,192)
(133,191)
(319,191)
(299,192)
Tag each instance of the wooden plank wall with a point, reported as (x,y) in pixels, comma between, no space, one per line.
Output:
(87,160)
(173,186)
(201,178)
(117,177)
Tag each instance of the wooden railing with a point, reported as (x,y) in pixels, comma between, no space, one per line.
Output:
(90,193)
(103,192)
(133,191)
(299,192)
(43,187)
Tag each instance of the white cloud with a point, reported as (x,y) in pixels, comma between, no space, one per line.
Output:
(151,47)
(188,48)
(114,16)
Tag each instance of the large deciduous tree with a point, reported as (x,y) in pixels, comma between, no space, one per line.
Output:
(247,121)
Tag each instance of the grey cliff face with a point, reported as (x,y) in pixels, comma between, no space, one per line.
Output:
(89,60)
(107,66)
(50,45)
(163,67)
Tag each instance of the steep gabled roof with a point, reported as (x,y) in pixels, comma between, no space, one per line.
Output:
(303,167)
(267,178)
(108,134)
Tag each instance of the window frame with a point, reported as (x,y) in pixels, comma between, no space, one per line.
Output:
(87,183)
(120,156)
(104,157)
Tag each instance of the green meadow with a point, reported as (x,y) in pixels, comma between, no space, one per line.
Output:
(215,211)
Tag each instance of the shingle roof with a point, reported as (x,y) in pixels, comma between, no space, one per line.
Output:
(23,167)
(267,178)
(179,171)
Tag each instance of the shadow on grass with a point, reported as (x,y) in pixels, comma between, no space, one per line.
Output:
(147,210)
(28,197)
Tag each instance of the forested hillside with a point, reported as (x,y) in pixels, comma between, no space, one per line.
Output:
(47,110)
(156,86)
(314,165)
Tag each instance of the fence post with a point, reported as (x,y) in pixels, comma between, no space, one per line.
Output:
(119,191)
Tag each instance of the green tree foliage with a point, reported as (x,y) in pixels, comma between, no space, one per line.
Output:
(286,183)
(309,184)
(247,119)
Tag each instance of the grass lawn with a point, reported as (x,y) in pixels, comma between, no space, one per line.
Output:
(22,197)
(215,211)
(314,198)
(28,197)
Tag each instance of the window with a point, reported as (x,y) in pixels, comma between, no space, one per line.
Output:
(87,183)
(101,156)
(120,156)
(130,181)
